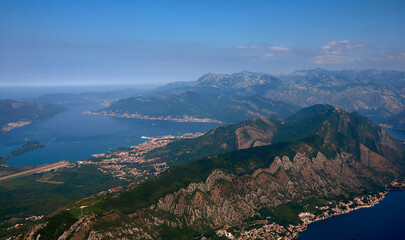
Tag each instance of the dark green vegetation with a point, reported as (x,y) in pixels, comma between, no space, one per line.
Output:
(43,193)
(218,140)
(251,132)
(328,154)
(286,214)
(220,107)
(238,162)
(3,160)
(310,129)
(14,111)
(26,147)
(58,225)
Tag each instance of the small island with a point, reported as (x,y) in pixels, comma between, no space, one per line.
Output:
(27,147)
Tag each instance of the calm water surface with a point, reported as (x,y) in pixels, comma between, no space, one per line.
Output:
(75,136)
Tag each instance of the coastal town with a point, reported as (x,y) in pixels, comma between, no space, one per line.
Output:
(12,125)
(274,231)
(184,118)
(127,164)
(398,185)
(130,163)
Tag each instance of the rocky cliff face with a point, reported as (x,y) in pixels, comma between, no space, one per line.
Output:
(226,199)
(253,135)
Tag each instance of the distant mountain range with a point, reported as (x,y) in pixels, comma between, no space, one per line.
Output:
(373,93)
(319,154)
(370,92)
(15,114)
(60,98)
(223,108)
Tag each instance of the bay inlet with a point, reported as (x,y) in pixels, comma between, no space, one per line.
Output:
(74,136)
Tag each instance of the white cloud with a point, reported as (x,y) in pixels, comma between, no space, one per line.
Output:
(268,55)
(338,52)
(279,49)
(265,51)
(251,47)
(338,47)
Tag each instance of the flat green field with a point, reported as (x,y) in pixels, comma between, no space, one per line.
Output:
(43,193)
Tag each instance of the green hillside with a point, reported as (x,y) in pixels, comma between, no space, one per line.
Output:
(329,155)
(223,108)
(15,111)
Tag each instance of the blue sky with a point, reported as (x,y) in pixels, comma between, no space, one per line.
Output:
(151,42)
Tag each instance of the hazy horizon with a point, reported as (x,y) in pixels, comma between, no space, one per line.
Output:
(157,42)
(141,86)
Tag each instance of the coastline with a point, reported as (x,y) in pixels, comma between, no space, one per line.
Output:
(130,164)
(279,232)
(10,126)
(374,201)
(185,118)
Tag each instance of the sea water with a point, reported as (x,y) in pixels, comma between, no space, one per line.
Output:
(384,221)
(72,135)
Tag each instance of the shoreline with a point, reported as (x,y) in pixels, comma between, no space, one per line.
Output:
(375,201)
(279,232)
(12,125)
(185,118)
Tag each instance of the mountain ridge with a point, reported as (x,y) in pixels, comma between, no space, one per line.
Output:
(372,92)
(15,114)
(223,108)
(342,156)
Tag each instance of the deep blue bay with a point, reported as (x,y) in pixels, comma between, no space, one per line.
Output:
(72,135)
(384,221)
